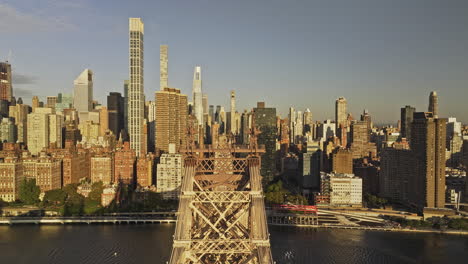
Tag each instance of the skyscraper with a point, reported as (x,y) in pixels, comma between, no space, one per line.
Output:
(360,140)
(150,118)
(6,87)
(265,122)
(19,113)
(40,123)
(115,106)
(340,112)
(163,83)
(406,119)
(205,104)
(197,95)
(232,114)
(171,119)
(136,96)
(83,92)
(125,100)
(434,104)
(311,160)
(427,185)
(292,124)
(307,120)
(341,117)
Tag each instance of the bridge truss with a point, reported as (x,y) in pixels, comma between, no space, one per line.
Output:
(221,211)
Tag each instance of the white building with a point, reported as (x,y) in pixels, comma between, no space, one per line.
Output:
(326,129)
(453,127)
(342,189)
(7,130)
(83,92)
(169,174)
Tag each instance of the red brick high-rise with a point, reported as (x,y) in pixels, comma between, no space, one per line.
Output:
(124,164)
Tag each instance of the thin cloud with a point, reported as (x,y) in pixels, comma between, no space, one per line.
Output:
(24,79)
(13,20)
(21,92)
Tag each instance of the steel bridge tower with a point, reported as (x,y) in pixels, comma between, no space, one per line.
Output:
(221,216)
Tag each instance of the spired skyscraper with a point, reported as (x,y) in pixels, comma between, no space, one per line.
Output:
(136,96)
(197,95)
(83,92)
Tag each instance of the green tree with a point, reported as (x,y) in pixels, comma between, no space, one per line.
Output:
(459,224)
(57,196)
(29,192)
(96,191)
(74,205)
(277,194)
(70,189)
(91,207)
(373,201)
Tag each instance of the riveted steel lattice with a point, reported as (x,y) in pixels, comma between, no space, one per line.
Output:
(221,212)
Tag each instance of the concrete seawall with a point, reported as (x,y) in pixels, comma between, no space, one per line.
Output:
(134,220)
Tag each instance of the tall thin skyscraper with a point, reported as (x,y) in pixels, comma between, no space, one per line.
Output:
(341,121)
(406,119)
(6,87)
(163,83)
(340,112)
(83,92)
(265,121)
(434,104)
(197,95)
(136,97)
(233,101)
(125,100)
(307,117)
(232,114)
(211,112)
(205,104)
(292,124)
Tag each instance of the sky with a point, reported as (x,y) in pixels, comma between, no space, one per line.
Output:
(380,55)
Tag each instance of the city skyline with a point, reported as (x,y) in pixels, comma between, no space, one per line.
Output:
(376,67)
(233,122)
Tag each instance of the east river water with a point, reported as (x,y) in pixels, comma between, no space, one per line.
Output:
(152,244)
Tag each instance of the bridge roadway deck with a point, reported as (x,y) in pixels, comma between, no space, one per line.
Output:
(86,220)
